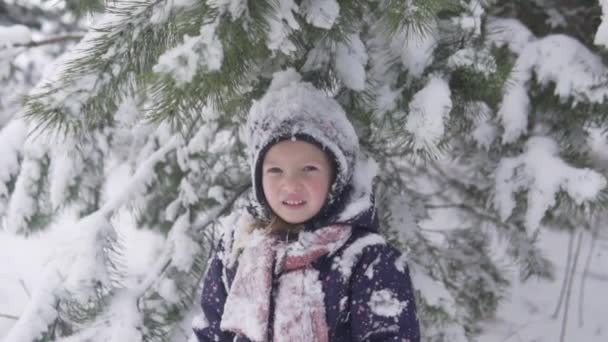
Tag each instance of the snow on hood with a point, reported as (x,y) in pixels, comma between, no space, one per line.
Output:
(292,109)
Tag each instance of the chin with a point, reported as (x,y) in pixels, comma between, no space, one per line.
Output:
(295,220)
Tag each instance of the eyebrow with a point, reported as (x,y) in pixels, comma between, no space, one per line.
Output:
(272,162)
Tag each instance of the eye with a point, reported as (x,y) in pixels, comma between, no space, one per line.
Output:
(310,168)
(274,170)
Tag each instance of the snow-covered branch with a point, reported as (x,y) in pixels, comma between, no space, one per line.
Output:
(49,41)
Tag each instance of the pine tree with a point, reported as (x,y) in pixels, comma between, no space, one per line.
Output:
(484,118)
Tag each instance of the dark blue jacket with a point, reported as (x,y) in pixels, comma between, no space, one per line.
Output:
(353,305)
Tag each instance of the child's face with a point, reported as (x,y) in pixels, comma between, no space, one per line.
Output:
(296,177)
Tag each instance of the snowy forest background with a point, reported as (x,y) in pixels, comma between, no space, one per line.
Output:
(121,154)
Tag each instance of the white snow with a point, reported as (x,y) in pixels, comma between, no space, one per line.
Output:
(471,20)
(401,263)
(481,61)
(308,110)
(530,312)
(484,130)
(235,7)
(321,13)
(434,293)
(299,296)
(601,36)
(162,10)
(318,57)
(66,165)
(352,253)
(14,35)
(39,312)
(22,205)
(542,173)
(200,322)
(510,32)
(370,272)
(513,112)
(12,137)
(364,172)
(416,50)
(184,248)
(597,140)
(281,22)
(167,289)
(386,98)
(199,53)
(385,303)
(125,319)
(284,78)
(564,61)
(429,110)
(351,58)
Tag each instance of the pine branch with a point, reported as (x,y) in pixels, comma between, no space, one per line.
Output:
(15,318)
(27,292)
(110,64)
(49,41)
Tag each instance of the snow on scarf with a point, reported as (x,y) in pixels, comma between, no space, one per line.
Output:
(299,312)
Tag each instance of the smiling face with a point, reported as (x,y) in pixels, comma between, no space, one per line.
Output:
(296,177)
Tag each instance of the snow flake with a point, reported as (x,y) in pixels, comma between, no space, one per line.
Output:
(385,303)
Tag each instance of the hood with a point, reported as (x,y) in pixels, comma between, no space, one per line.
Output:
(297,110)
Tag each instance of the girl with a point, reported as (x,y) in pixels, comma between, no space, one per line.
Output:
(305,263)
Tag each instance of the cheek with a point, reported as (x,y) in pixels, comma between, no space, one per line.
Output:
(268,188)
(320,187)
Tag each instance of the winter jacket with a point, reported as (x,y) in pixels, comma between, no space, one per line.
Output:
(367,292)
(367,288)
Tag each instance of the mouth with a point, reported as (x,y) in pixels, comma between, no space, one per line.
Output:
(294,204)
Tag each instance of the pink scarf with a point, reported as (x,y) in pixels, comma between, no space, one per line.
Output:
(299,311)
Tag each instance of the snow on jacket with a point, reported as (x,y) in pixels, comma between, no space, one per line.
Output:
(368,294)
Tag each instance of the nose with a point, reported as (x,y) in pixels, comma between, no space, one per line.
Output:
(292,183)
